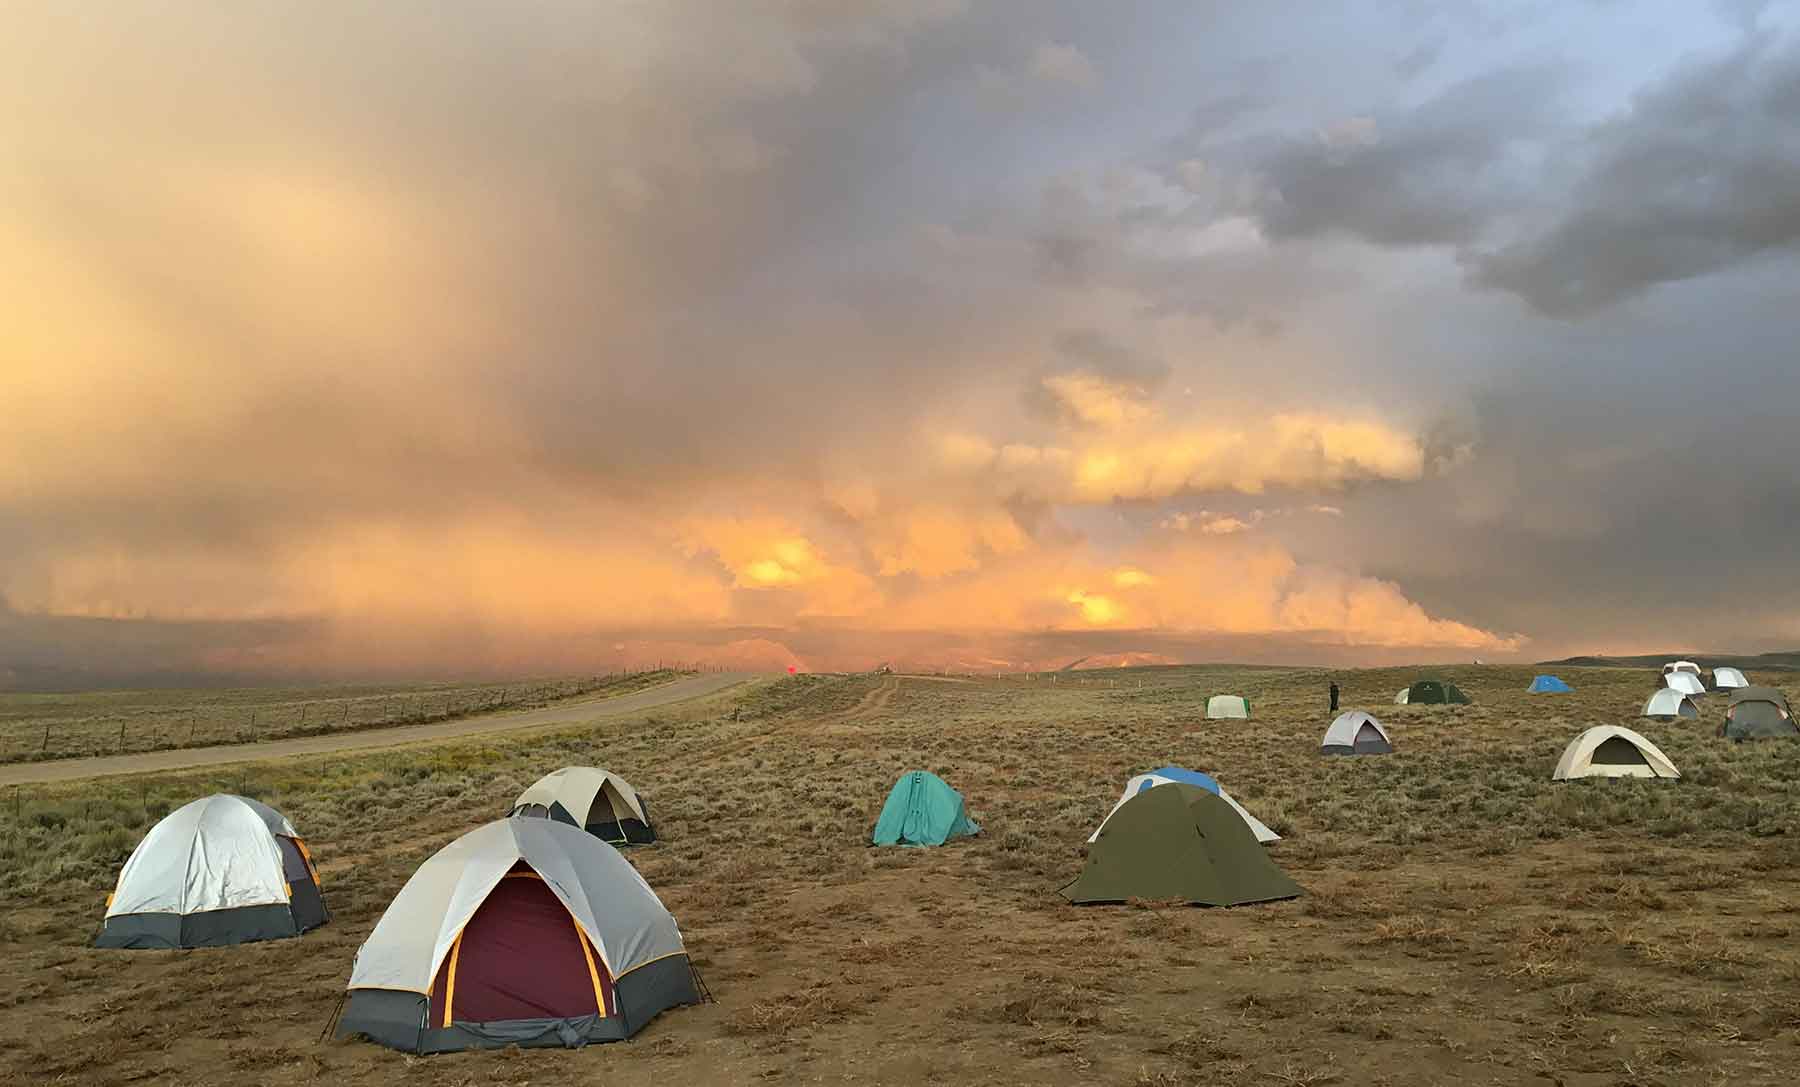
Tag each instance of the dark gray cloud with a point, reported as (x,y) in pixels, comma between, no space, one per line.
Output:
(1701,173)
(1621,496)
(1434,175)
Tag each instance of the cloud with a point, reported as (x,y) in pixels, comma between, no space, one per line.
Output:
(1092,400)
(1701,173)
(1292,451)
(1056,62)
(1438,174)
(520,338)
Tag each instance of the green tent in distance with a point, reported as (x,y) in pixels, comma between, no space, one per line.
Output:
(1432,692)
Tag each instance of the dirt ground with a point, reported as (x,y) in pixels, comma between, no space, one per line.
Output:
(1465,920)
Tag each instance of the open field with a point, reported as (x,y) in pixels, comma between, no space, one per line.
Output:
(41,726)
(1466,919)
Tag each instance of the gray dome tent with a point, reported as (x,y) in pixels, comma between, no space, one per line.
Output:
(526,932)
(1756,713)
(1667,704)
(1687,683)
(221,870)
(1728,679)
(1356,733)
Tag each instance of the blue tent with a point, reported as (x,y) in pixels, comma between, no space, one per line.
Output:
(1549,685)
(1177,774)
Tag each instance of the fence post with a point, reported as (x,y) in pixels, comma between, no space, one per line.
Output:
(45,749)
(121,734)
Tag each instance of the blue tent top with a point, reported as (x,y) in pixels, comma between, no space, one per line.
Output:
(1185,777)
(1549,685)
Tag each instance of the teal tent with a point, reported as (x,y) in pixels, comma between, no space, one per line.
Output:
(922,810)
(1549,685)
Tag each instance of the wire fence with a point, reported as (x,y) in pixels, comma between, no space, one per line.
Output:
(207,723)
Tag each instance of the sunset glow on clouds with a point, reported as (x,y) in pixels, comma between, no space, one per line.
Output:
(826,334)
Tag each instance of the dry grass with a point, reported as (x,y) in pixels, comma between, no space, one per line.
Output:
(35,727)
(1466,919)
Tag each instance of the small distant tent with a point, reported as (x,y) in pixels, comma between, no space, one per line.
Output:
(1674,667)
(1356,733)
(1168,775)
(1403,697)
(1178,841)
(601,803)
(1227,705)
(1756,713)
(1668,704)
(1609,751)
(1549,685)
(1728,679)
(1434,692)
(922,809)
(1686,682)
(221,870)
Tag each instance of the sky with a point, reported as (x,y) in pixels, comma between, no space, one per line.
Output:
(461,338)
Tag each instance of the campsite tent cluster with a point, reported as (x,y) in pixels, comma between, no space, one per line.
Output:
(1751,712)
(533,929)
(530,930)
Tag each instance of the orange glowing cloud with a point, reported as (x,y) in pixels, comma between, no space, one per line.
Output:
(523,382)
(1301,451)
(1094,401)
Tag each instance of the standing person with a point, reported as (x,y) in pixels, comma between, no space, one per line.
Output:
(1334,696)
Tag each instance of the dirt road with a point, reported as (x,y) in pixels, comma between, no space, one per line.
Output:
(571,712)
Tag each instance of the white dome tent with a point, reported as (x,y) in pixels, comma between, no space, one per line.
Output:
(1611,751)
(1729,679)
(525,932)
(1404,697)
(1668,704)
(1674,667)
(1687,683)
(220,870)
(602,803)
(1227,706)
(1356,733)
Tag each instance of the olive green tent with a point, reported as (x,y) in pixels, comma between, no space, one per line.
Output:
(1431,692)
(922,810)
(1178,841)
(1758,712)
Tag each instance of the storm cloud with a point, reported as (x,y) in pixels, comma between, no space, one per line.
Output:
(827,333)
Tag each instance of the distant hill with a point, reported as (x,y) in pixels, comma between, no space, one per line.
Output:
(1788,661)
